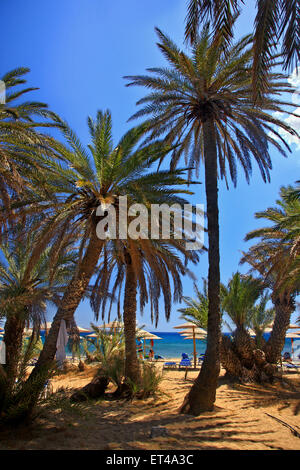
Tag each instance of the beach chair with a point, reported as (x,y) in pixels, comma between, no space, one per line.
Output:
(157,357)
(291,367)
(286,357)
(200,359)
(185,361)
(170,365)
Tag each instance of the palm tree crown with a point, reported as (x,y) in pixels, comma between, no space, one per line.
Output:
(277,255)
(211,84)
(275,20)
(24,151)
(196,309)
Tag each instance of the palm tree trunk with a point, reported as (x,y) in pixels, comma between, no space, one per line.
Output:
(284,306)
(203,392)
(13,340)
(132,369)
(244,346)
(70,301)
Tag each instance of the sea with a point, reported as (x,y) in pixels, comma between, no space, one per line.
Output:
(172,345)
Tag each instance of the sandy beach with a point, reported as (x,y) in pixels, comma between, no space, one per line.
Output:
(240,421)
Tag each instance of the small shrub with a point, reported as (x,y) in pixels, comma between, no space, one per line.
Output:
(149,386)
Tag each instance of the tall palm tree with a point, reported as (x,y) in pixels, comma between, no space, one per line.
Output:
(276,256)
(203,105)
(93,178)
(275,20)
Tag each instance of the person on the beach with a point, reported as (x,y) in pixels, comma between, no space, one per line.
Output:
(140,349)
(151,354)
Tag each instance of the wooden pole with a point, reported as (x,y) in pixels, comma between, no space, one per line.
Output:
(195,353)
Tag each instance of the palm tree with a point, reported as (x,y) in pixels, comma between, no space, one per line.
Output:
(261,317)
(238,302)
(24,297)
(203,105)
(276,257)
(24,151)
(94,178)
(245,302)
(109,351)
(196,310)
(275,20)
(239,298)
(145,266)
(295,192)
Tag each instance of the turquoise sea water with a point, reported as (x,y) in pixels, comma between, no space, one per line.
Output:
(173,345)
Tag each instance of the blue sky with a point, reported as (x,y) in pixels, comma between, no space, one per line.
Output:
(79,50)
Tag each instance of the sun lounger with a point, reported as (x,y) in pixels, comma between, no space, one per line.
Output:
(200,359)
(291,366)
(170,365)
(185,361)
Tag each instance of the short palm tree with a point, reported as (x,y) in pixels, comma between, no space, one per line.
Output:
(109,351)
(239,298)
(245,302)
(196,309)
(24,294)
(275,20)
(261,317)
(238,303)
(203,105)
(276,256)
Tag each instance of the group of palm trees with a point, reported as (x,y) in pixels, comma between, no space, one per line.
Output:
(202,108)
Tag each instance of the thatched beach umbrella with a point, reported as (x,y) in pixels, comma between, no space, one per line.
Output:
(292,336)
(253,333)
(197,336)
(83,330)
(28,331)
(114,324)
(146,335)
(198,331)
(191,328)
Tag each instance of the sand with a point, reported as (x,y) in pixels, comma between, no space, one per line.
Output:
(239,421)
